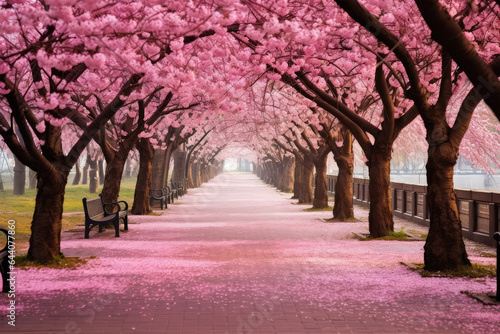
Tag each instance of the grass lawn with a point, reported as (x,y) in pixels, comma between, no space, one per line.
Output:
(20,207)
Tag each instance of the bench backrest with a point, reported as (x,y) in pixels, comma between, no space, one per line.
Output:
(93,208)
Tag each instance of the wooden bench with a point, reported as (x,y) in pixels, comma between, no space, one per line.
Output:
(121,207)
(171,195)
(180,188)
(159,195)
(97,213)
(4,262)
(176,189)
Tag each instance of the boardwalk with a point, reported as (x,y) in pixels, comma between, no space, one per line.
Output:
(235,256)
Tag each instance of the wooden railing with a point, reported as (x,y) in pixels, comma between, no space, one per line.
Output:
(479,210)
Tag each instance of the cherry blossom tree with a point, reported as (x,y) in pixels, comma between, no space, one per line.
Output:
(444,246)
(313,59)
(56,54)
(42,59)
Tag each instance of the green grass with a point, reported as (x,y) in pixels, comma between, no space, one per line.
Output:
(474,271)
(319,209)
(59,262)
(392,235)
(20,207)
(485,254)
(335,220)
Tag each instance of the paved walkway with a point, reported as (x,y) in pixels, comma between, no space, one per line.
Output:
(235,256)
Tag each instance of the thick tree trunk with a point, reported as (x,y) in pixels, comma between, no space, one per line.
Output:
(444,248)
(166,164)
(380,216)
(320,185)
(32,179)
(128,170)
(19,177)
(157,174)
(343,206)
(297,179)
(198,175)
(93,181)
(142,196)
(190,182)
(276,172)
(306,189)
(114,172)
(179,166)
(86,170)
(288,174)
(101,171)
(78,173)
(194,167)
(47,219)
(205,173)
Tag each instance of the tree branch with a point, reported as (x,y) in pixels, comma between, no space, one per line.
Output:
(103,117)
(447,32)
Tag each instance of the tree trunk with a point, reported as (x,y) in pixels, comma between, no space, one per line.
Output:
(78,173)
(1,182)
(306,190)
(205,173)
(343,206)
(198,175)
(297,179)
(114,172)
(444,247)
(127,171)
(288,174)
(157,173)
(93,182)
(320,185)
(166,164)
(32,179)
(101,171)
(179,166)
(47,219)
(86,169)
(190,182)
(279,171)
(380,216)
(19,177)
(141,196)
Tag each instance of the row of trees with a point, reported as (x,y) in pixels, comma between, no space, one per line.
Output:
(375,67)
(287,79)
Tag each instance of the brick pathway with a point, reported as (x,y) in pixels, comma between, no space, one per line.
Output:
(235,256)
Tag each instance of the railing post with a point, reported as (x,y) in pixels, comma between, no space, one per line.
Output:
(496,236)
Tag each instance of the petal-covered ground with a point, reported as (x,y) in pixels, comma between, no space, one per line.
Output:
(235,256)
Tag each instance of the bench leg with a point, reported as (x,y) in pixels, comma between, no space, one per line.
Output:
(125,223)
(116,223)
(100,227)
(87,230)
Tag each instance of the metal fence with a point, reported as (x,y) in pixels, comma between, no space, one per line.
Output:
(479,210)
